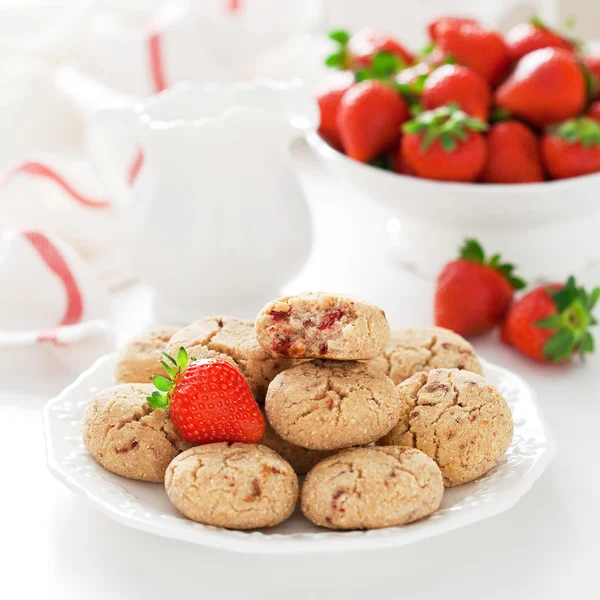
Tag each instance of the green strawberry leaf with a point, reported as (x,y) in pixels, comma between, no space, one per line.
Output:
(158,400)
(573,319)
(337,60)
(385,64)
(162,383)
(472,250)
(169,357)
(182,359)
(560,346)
(170,369)
(580,129)
(341,36)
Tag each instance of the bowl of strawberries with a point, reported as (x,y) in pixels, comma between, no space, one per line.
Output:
(479,134)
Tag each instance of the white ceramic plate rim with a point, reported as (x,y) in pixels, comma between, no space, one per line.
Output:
(268,543)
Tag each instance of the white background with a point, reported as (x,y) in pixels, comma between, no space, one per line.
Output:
(54,545)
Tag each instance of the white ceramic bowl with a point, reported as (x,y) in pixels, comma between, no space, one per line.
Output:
(548,229)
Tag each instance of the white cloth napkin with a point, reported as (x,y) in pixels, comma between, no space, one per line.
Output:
(52,301)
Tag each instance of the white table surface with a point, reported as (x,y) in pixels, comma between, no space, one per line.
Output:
(53,545)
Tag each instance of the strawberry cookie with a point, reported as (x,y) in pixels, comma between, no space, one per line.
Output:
(424,349)
(371,488)
(455,417)
(328,405)
(128,437)
(301,459)
(216,337)
(139,360)
(320,325)
(238,486)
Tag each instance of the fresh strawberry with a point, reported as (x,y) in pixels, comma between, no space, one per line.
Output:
(474,294)
(547,86)
(572,148)
(476,47)
(551,323)
(513,154)
(399,163)
(445,144)
(527,37)
(210,401)
(356,52)
(369,119)
(329,106)
(459,85)
(593,111)
(592,64)
(447,23)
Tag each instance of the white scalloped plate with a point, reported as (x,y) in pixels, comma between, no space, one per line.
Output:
(145,506)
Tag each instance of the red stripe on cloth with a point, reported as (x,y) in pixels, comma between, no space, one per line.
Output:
(48,337)
(57,264)
(40,170)
(156,61)
(135,167)
(234,5)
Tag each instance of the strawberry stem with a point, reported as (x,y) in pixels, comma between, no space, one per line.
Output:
(161,398)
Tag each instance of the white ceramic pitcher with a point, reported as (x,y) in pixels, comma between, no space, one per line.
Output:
(215,220)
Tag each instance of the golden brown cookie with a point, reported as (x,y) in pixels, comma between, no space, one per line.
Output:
(301,459)
(234,338)
(238,486)
(328,405)
(139,360)
(424,349)
(128,437)
(320,325)
(371,488)
(457,418)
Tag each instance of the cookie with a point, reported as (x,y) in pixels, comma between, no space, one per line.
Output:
(320,325)
(424,349)
(127,436)
(371,488)
(328,405)
(234,338)
(301,459)
(139,360)
(238,486)
(457,418)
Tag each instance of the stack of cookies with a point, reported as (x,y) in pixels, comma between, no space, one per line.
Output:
(380,422)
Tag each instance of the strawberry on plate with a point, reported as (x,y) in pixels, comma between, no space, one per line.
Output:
(572,148)
(369,119)
(551,322)
(527,37)
(476,47)
(547,86)
(445,144)
(329,100)
(209,400)
(473,294)
(356,52)
(458,85)
(514,154)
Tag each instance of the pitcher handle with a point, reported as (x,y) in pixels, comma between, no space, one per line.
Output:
(115,161)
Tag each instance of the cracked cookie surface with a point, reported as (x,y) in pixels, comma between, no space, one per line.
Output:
(238,486)
(321,325)
(455,417)
(423,349)
(139,360)
(371,488)
(328,405)
(216,337)
(127,436)
(301,459)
